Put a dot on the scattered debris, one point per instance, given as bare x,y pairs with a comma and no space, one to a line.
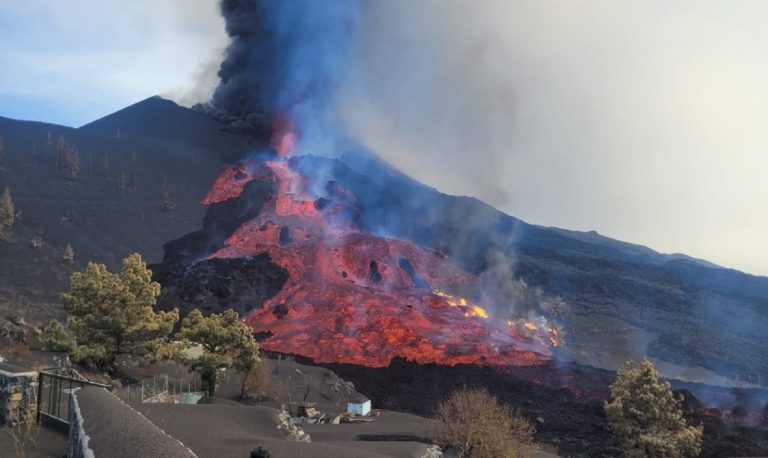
290,429
434,451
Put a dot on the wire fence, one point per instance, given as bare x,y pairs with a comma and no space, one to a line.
164,389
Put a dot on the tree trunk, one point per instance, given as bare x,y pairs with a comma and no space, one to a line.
209,381
243,384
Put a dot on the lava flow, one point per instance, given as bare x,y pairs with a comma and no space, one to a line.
353,297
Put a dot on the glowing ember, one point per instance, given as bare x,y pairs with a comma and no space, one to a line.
354,297
467,307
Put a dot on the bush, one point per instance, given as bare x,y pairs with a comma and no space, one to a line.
476,425
7,212
55,338
259,382
68,255
647,417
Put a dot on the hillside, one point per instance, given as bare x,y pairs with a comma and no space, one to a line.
625,300
112,208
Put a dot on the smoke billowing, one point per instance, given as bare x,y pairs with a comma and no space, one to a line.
285,61
639,120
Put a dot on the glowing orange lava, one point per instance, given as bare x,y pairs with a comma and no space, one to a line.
284,138
354,297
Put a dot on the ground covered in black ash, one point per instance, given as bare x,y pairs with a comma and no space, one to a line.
571,418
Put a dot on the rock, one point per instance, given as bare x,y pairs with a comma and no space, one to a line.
433,451
291,430
260,452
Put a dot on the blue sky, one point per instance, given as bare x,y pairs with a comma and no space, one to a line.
73,61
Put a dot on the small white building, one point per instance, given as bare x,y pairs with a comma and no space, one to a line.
359,406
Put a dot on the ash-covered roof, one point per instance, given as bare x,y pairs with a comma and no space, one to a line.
116,430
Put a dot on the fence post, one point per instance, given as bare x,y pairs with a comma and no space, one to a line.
40,378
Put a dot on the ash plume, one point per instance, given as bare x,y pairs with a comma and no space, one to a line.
284,61
391,77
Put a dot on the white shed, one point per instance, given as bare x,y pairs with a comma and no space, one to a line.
360,406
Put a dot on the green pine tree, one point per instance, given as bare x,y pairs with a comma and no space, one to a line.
227,343
645,415
112,314
55,338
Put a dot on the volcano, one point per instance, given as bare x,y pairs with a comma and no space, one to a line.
609,286
352,296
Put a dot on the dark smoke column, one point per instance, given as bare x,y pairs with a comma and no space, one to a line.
285,60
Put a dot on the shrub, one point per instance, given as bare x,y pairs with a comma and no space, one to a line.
7,212
68,255
55,338
476,425
259,382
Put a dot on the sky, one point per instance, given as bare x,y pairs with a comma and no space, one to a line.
645,121
73,61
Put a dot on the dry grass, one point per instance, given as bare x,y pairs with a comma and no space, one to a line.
24,437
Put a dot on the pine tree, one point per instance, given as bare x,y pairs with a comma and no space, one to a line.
7,212
68,159
61,148
112,314
72,163
2,148
55,338
647,417
165,200
68,255
227,342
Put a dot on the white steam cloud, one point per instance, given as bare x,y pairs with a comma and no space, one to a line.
643,120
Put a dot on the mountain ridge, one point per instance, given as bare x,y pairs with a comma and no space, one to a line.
621,295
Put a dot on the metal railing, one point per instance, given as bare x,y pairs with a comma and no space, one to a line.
54,390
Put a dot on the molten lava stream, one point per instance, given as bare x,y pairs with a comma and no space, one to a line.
348,298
